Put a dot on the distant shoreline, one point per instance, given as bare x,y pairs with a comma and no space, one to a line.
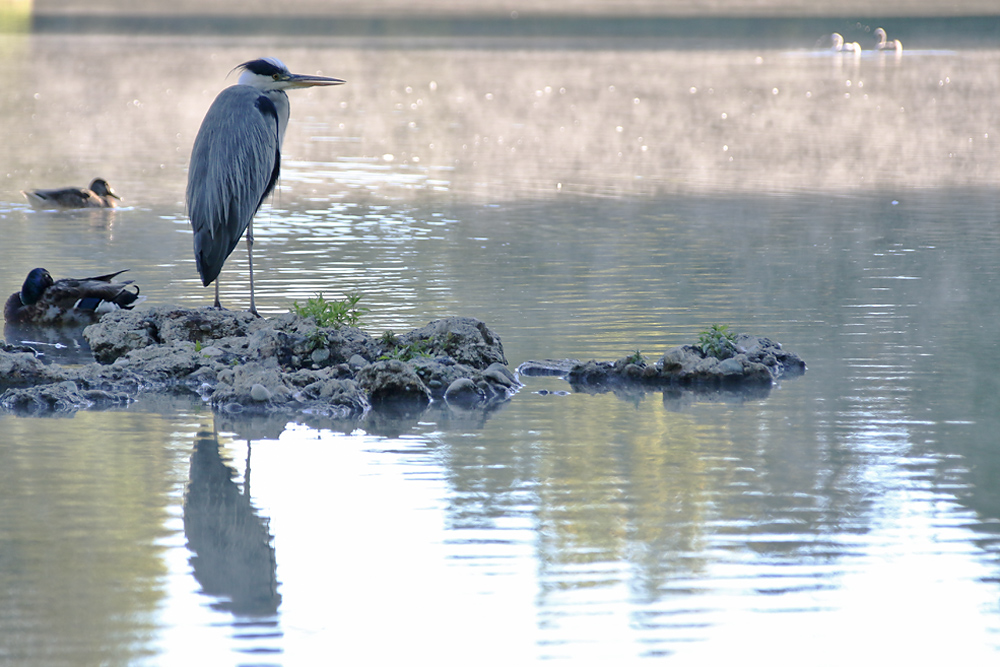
718,32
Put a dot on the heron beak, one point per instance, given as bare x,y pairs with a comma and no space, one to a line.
309,80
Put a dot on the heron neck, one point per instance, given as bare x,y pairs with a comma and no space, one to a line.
280,101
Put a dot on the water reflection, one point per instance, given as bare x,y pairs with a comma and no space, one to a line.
82,512
63,344
233,554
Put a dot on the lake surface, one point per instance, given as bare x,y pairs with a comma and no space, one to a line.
585,201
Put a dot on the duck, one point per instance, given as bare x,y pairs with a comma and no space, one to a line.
43,300
840,46
98,195
884,44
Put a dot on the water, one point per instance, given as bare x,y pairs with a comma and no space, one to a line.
584,202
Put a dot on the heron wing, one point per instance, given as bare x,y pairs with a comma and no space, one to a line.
233,166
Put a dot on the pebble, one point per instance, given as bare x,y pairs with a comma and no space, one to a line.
260,393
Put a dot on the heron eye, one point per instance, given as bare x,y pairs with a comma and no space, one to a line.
276,76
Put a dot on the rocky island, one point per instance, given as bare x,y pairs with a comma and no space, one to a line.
287,364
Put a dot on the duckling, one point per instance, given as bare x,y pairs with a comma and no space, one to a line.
68,300
98,195
884,44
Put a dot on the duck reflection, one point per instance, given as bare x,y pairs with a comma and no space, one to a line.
233,556
63,345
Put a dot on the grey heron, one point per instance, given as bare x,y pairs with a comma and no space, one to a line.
42,300
236,161
98,195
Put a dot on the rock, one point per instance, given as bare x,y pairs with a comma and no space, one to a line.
59,397
591,372
325,346
24,368
201,324
259,392
500,374
765,351
752,362
464,392
122,331
466,340
243,384
9,347
118,334
392,381
167,362
287,349
556,367
731,367
324,392
357,362
438,375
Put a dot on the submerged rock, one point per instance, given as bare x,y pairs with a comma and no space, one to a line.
19,368
64,396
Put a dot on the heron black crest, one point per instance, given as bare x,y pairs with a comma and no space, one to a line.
263,66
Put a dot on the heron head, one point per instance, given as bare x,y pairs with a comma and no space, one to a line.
35,285
271,74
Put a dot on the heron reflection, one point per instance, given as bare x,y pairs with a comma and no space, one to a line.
233,557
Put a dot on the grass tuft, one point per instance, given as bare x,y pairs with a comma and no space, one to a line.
332,313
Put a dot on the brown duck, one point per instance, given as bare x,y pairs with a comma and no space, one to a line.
98,195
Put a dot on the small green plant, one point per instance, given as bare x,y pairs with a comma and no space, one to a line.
389,338
317,338
407,352
332,313
197,346
636,358
717,341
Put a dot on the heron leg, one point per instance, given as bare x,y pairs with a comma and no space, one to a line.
253,306
217,303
